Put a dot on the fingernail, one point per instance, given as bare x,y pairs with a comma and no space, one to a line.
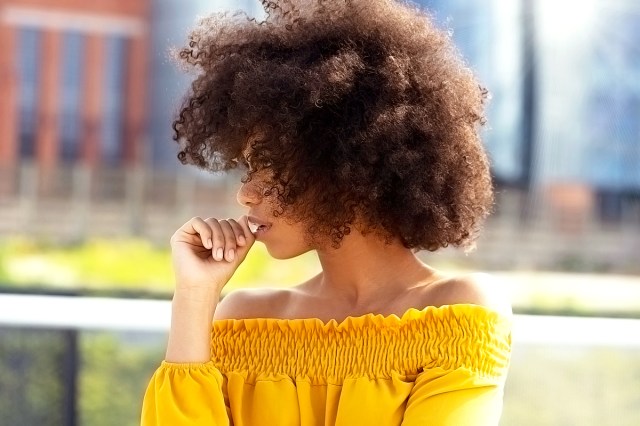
219,254
241,240
231,254
209,243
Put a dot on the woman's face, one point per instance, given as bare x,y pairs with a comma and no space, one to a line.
282,238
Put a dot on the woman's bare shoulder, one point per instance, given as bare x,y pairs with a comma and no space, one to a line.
252,303
266,302
473,288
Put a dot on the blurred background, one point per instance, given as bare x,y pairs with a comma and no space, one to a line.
90,192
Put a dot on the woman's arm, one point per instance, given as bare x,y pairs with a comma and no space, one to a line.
187,389
190,334
467,395
205,255
456,397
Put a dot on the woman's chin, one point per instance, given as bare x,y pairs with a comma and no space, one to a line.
283,253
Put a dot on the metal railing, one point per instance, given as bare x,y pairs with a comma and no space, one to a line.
102,313
61,341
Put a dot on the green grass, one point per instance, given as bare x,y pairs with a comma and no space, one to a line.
138,266
129,264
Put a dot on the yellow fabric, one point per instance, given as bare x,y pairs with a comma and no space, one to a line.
435,366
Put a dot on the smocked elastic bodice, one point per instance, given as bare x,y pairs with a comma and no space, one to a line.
371,345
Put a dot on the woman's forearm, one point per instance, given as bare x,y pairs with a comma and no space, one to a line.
205,255
191,318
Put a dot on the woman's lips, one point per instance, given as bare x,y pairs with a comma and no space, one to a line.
257,226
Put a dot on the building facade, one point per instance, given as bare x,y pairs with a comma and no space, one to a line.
74,81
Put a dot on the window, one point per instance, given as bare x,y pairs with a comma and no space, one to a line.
71,95
114,81
28,62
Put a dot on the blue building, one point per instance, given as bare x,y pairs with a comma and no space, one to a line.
489,34
614,103
587,87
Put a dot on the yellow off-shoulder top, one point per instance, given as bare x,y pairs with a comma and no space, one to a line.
436,366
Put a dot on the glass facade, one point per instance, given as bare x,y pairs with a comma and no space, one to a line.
489,36
614,102
586,63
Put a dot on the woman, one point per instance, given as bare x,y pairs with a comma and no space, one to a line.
358,125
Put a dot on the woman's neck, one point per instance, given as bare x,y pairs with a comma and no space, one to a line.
365,271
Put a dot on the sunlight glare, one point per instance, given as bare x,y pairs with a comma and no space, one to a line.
566,19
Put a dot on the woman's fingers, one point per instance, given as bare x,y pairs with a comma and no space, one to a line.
237,229
228,236
217,251
230,240
195,227
221,236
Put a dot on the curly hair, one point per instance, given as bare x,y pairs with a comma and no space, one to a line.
365,115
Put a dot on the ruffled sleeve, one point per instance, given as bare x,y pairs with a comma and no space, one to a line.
185,394
452,398
468,388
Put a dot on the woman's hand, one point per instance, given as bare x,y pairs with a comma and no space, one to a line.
207,252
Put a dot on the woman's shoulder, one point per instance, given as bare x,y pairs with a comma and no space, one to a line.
252,303
263,302
477,288
466,289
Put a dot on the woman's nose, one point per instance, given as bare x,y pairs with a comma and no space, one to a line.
249,194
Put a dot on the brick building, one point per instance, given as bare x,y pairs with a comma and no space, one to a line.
74,83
